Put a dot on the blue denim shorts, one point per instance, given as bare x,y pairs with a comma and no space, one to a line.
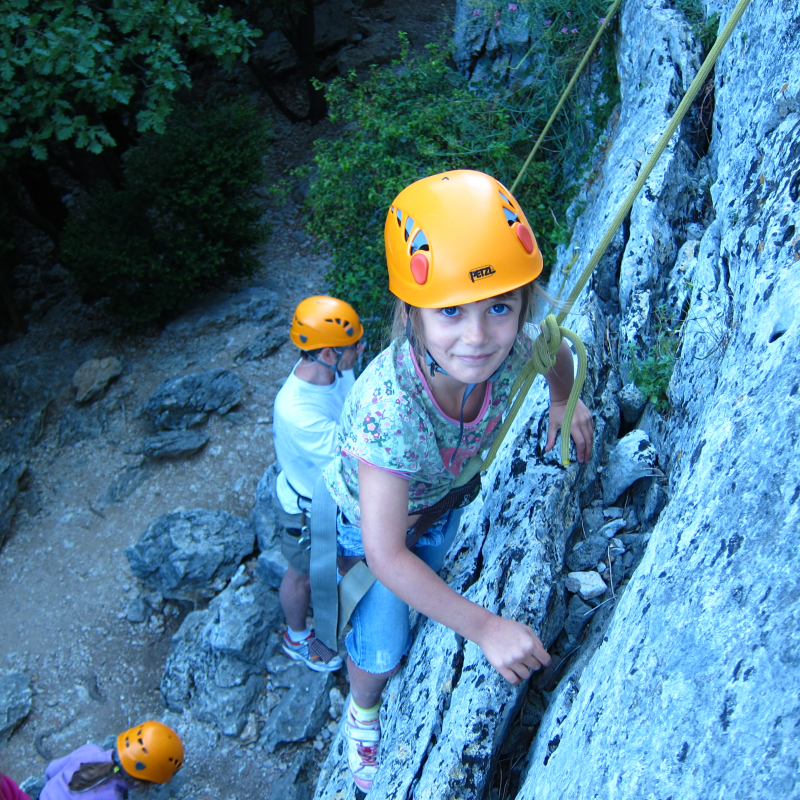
381,632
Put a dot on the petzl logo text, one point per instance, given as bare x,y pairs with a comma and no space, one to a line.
483,272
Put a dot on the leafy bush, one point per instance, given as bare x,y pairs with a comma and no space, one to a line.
651,371
185,218
414,118
64,64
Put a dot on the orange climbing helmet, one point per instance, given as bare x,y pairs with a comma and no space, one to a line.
458,237
151,752
325,322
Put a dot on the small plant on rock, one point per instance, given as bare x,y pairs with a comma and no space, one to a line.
651,371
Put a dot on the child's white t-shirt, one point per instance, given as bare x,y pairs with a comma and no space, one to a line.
304,425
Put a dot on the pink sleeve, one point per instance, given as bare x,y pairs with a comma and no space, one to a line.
9,790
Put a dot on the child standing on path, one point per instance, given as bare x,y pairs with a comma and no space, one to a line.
148,753
462,261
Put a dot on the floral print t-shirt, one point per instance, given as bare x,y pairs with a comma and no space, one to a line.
392,421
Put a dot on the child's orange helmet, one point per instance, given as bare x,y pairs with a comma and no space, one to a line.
151,752
458,237
325,322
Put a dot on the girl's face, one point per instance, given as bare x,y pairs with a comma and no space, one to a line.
471,341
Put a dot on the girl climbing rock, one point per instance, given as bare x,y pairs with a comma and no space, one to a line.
462,262
148,753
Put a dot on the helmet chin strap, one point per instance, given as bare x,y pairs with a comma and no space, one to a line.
433,368
333,367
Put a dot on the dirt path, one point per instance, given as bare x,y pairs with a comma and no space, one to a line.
64,580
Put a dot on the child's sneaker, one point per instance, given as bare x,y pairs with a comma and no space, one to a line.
363,740
312,653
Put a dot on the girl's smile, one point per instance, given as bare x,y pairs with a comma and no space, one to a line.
472,340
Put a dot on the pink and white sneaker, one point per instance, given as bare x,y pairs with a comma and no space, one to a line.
363,740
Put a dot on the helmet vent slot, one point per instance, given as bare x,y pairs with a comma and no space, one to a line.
140,766
399,215
140,741
420,242
506,200
511,217
409,227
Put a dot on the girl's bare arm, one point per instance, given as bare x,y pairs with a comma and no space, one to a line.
512,648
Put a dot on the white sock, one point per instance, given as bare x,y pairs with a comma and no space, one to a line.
364,716
297,636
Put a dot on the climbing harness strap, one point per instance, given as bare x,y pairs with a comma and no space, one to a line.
334,605
322,567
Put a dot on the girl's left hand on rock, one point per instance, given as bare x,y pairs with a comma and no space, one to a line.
581,430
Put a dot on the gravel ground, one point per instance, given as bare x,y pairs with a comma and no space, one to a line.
64,581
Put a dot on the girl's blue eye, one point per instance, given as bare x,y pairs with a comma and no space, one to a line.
500,308
450,311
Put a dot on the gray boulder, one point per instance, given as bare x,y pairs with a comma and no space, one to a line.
587,553
215,667
263,516
271,567
265,345
189,555
631,402
79,424
634,457
256,304
181,403
174,444
12,476
17,439
588,584
93,376
15,702
303,710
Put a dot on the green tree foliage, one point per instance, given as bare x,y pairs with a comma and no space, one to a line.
64,63
186,216
414,118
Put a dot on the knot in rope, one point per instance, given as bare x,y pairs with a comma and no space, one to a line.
546,344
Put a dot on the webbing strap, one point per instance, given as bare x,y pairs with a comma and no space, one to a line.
353,586
322,568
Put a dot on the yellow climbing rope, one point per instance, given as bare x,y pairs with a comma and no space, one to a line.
587,55
552,332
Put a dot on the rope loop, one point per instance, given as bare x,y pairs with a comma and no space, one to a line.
546,344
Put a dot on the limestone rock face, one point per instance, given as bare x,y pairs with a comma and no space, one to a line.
691,687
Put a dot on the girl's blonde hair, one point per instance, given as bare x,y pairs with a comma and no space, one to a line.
408,320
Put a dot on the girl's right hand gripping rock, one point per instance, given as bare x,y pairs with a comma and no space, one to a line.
512,648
